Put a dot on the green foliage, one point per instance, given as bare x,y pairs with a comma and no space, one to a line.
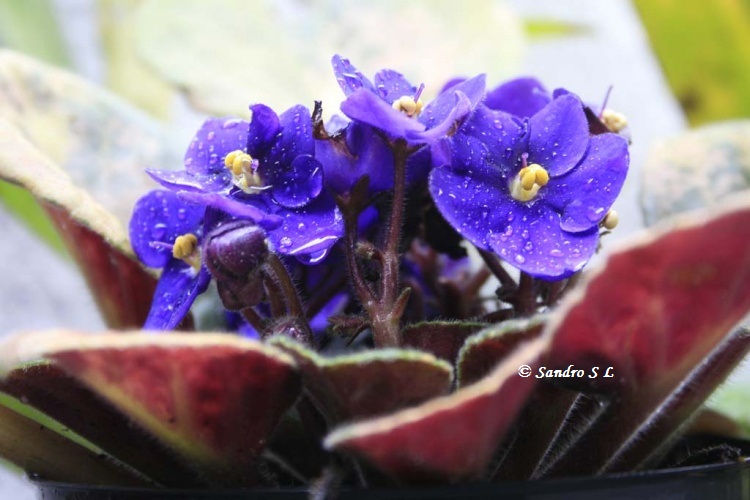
704,49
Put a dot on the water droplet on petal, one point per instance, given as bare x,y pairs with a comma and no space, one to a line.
285,242
520,259
555,252
158,231
210,136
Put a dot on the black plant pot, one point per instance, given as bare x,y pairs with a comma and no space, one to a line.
714,482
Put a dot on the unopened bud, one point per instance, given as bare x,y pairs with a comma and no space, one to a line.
234,254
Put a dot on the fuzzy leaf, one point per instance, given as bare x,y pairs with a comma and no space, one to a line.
482,352
32,442
696,169
92,136
441,338
446,439
200,51
214,398
47,388
656,311
369,383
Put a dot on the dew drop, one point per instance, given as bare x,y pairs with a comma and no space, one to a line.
210,136
181,214
529,246
520,259
555,252
158,231
285,242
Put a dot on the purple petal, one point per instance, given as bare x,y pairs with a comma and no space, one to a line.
558,135
391,85
184,181
176,291
522,97
295,139
295,186
503,134
361,152
456,114
451,83
438,110
530,239
350,79
160,217
213,141
585,194
366,107
264,127
308,233
471,200
235,207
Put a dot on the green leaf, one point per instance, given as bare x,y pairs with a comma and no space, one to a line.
126,73
39,445
552,28
261,51
30,27
703,48
23,205
696,169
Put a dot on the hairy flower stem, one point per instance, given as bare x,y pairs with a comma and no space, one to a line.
493,264
293,303
254,320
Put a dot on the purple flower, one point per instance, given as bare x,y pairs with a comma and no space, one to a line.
166,233
393,105
532,191
522,97
264,171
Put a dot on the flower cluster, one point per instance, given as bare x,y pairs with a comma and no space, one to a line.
293,218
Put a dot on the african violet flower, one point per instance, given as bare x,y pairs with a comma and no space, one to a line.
265,171
532,191
165,232
524,97
393,105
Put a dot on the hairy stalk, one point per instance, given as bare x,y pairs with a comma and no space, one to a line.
254,319
493,264
293,303
526,298
386,320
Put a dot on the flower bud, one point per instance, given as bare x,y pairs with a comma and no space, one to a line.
234,254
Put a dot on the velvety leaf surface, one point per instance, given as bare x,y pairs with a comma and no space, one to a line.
370,383
36,448
198,50
696,169
446,439
46,387
482,352
441,338
214,398
101,142
655,312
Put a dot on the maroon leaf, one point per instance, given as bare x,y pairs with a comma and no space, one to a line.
49,389
654,313
441,338
120,285
482,352
368,383
214,398
449,438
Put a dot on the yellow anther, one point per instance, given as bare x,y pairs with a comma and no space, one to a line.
613,120
238,162
184,246
408,106
528,179
611,220
542,177
527,183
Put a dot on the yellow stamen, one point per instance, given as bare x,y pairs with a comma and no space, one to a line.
527,183
408,105
185,248
613,120
245,176
611,220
